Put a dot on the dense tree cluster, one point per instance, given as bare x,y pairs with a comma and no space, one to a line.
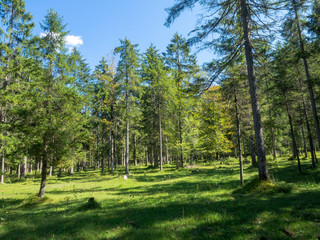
157,108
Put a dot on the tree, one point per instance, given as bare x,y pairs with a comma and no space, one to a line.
183,67
53,113
215,123
15,31
105,103
222,23
294,6
127,75
156,95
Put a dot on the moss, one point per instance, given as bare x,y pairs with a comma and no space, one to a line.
256,186
34,201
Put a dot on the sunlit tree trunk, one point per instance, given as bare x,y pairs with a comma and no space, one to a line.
262,161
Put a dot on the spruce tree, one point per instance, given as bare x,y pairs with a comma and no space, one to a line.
229,19
127,75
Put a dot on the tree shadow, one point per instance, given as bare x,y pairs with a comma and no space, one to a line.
220,219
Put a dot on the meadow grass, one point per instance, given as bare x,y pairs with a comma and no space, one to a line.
199,202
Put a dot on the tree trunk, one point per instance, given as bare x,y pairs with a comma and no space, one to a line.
239,137
160,136
135,150
127,147
25,164
306,116
50,171
71,168
305,150
262,161
252,152
167,151
293,138
43,178
112,150
19,170
23,168
103,159
2,167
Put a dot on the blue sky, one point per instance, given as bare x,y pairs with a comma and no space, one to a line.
97,25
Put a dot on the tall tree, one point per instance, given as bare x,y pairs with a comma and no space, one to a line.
127,74
228,20
157,94
15,31
184,67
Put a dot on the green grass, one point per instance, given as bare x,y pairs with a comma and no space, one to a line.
204,202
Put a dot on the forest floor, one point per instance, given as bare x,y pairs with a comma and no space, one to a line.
199,202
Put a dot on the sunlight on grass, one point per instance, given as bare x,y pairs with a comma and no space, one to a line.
174,204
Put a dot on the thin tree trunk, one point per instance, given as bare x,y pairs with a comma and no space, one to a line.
71,168
2,167
239,138
167,151
160,136
306,116
293,138
103,159
305,150
112,150
127,147
50,171
262,161
135,150
19,170
24,167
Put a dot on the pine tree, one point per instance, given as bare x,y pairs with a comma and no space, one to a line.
127,75
15,31
230,19
156,95
183,66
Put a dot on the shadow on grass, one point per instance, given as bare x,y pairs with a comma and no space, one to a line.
259,216
253,217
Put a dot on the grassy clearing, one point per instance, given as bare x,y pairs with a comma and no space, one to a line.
203,202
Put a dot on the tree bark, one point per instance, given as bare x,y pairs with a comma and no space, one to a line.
293,138
306,116
262,161
19,170
43,178
160,136
135,150
2,166
127,156
71,168
239,137
305,150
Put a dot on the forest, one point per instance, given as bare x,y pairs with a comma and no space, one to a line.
159,127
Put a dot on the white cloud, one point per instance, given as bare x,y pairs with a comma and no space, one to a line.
43,34
71,40
74,41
